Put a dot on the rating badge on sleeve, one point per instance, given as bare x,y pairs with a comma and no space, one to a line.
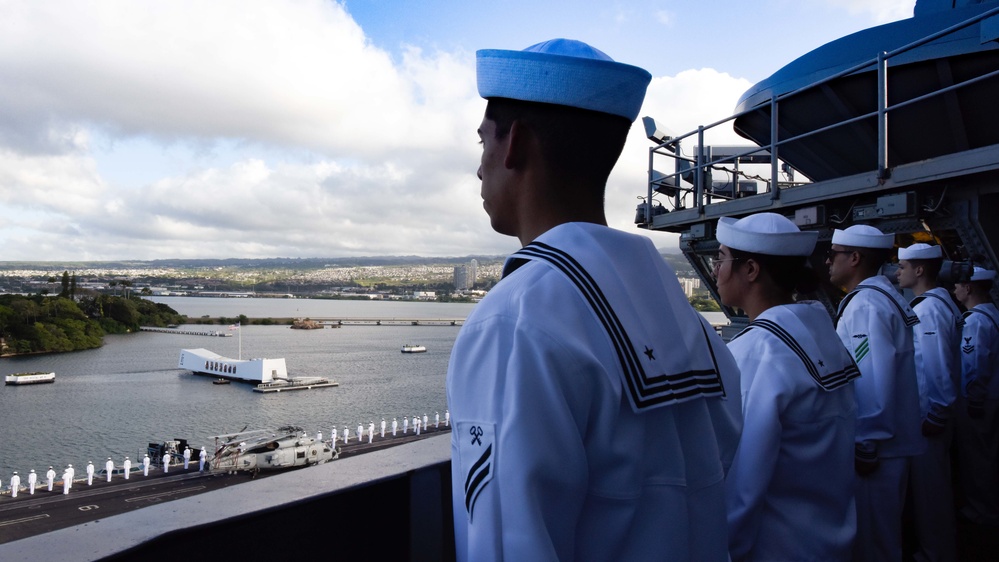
477,454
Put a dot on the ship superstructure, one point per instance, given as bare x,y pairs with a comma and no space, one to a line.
893,126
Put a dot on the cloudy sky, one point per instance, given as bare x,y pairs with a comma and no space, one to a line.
138,129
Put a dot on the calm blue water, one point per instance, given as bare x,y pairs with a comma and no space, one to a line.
112,401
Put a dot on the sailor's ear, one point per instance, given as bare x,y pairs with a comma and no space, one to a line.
753,270
520,141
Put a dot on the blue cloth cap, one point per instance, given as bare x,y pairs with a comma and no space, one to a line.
563,72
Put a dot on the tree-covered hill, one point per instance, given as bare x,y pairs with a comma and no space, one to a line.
38,324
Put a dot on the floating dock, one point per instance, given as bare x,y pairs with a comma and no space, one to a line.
294,384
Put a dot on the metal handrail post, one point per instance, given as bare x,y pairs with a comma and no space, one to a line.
883,116
774,191
648,200
677,198
699,172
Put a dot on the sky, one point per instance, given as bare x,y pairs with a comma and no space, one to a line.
138,129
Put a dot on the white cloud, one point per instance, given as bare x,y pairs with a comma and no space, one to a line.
880,11
665,17
298,73
389,146
681,103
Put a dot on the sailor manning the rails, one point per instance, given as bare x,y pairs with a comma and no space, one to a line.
875,322
936,340
595,412
790,488
977,434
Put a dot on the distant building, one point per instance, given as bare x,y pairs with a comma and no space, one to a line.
461,281
466,275
689,285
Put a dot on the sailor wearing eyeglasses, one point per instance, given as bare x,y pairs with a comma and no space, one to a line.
790,489
875,323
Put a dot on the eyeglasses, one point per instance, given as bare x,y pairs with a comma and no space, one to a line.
831,254
715,262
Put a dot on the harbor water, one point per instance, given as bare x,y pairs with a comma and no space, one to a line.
114,400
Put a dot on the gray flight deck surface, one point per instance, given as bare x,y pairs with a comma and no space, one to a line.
30,515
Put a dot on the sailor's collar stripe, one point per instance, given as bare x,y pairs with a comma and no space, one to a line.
829,381
970,311
908,316
947,302
644,391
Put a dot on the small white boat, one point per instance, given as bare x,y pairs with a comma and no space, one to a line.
410,348
29,378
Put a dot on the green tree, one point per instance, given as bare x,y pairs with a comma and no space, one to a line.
704,304
65,285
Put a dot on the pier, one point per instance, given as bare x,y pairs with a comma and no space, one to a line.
214,333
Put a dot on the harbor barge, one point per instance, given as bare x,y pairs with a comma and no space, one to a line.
17,379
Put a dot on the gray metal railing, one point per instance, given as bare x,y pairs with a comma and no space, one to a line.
701,164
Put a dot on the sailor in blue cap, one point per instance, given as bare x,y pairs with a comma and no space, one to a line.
936,342
977,409
790,489
595,412
875,323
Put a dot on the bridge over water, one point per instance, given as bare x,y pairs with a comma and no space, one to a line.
359,321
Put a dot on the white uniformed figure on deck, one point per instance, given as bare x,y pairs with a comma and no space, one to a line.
875,324
437,420
166,462
32,480
371,432
50,478
383,428
447,418
395,426
126,467
426,422
109,467
334,437
790,488
72,474
90,473
319,436
202,455
346,435
416,424
589,409
938,365
15,484
187,457
67,480
405,425
360,432
145,465
977,433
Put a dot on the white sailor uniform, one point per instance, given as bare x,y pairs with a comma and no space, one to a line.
938,366
560,450
978,438
875,324
790,489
